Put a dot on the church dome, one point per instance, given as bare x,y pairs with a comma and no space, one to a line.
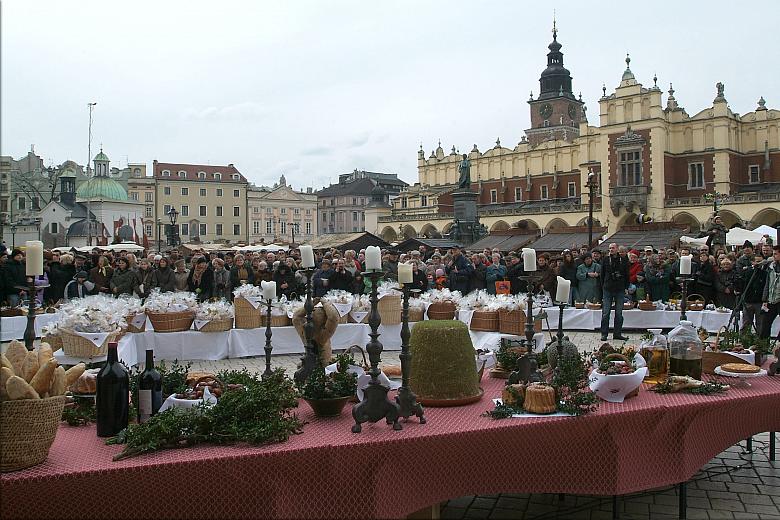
100,187
101,156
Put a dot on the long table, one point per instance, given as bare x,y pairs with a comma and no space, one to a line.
646,442
13,327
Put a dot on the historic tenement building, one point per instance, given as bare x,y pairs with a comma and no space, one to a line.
649,155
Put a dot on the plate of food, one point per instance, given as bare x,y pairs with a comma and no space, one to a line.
741,370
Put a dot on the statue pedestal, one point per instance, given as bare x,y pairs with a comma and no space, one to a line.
465,205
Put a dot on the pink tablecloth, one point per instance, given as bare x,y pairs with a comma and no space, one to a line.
648,441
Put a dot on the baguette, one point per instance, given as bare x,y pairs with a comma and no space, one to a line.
58,385
73,373
29,366
5,374
5,362
44,353
42,379
16,353
18,388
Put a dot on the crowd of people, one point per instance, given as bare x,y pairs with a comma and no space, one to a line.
610,277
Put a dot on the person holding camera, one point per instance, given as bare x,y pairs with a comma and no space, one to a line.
614,277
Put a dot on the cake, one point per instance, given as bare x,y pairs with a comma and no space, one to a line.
539,398
740,368
86,383
511,393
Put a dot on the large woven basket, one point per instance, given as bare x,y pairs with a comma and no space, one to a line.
132,328
389,308
277,320
646,306
695,302
442,311
75,345
171,321
27,430
485,321
54,341
247,317
416,314
513,322
217,325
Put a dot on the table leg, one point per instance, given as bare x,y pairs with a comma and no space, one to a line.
772,453
749,446
615,508
683,510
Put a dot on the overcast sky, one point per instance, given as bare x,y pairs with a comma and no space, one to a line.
312,89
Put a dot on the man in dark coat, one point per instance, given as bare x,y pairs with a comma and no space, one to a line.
14,276
459,271
614,279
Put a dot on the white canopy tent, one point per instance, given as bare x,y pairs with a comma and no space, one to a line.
127,246
734,237
767,230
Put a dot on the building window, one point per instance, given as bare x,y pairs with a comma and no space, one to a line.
185,229
236,229
137,172
493,196
235,177
297,211
362,216
185,211
133,195
148,197
148,230
424,200
354,201
218,230
308,212
630,167
54,228
201,175
256,227
324,217
354,216
255,209
268,211
404,202
332,217
202,211
545,192
148,211
166,209
21,203
182,174
217,176
308,228
167,190
202,230
166,173
572,190
236,193
219,192
283,211
268,227
332,201
282,227
753,174
185,192
696,176
236,211
518,194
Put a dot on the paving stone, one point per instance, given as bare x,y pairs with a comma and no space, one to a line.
771,481
700,503
463,502
644,499
721,495
693,492
539,509
758,508
768,471
720,478
769,517
748,480
720,515
525,496
506,502
483,503
669,500
727,505
454,513
749,498
543,499
505,513
697,514
659,509
636,507
477,513
603,515
741,488
708,485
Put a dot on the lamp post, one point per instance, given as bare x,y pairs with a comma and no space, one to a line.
38,225
294,226
174,236
13,235
591,185
90,106
159,236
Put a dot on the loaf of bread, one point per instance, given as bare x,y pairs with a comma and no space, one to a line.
29,366
86,383
5,374
73,373
5,362
16,353
58,385
44,353
41,382
18,388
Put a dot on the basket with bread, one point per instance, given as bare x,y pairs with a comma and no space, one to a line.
32,396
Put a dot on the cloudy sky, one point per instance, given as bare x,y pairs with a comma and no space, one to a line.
316,88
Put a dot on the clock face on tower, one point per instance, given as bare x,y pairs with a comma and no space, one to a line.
546,110
572,111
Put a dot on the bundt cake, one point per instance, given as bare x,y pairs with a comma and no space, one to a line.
511,393
539,398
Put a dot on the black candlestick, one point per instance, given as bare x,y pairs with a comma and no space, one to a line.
375,404
29,331
684,300
559,335
268,347
407,401
527,366
310,359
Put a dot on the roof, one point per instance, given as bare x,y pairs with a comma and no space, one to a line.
191,172
634,238
101,156
431,243
503,242
101,188
361,187
79,228
344,241
556,241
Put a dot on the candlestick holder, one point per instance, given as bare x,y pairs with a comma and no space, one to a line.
559,334
684,280
375,404
268,346
406,399
527,365
310,359
29,331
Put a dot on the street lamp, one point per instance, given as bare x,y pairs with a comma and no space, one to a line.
293,228
591,185
13,236
173,214
717,200
159,237
38,225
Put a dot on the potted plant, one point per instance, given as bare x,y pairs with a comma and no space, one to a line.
328,393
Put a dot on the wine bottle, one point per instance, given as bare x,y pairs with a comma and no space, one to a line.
112,395
149,389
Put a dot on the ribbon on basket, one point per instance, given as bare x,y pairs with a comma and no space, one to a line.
199,324
138,320
254,301
358,316
96,338
343,308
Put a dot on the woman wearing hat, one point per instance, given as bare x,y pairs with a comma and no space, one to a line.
201,280
163,278
124,280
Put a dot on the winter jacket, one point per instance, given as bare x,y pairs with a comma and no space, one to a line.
14,275
479,277
236,277
285,275
657,281
74,290
340,281
205,287
123,282
59,276
494,273
101,277
459,274
321,287
513,274
164,279
145,282
754,292
588,288
726,280
180,279
614,274
222,287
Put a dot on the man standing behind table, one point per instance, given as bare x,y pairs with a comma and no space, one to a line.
459,271
322,277
771,297
614,279
390,266
341,279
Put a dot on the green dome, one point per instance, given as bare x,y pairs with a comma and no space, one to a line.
101,188
101,157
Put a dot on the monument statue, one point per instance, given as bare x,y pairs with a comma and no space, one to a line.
464,169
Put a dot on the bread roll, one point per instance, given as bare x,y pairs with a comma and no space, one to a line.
18,388
74,373
42,379
16,353
29,366
58,385
5,362
44,353
5,374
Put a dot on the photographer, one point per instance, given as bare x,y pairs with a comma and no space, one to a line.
614,276
341,279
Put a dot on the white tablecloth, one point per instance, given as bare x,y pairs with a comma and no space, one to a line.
13,327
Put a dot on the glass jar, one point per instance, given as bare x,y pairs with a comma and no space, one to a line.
656,356
685,348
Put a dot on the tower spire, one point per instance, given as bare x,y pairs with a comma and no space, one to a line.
555,29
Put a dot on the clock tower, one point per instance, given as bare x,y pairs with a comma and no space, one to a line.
556,113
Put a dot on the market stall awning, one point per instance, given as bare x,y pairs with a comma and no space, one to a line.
504,241
431,243
736,236
566,238
638,237
345,241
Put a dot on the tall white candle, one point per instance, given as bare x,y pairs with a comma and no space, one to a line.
307,257
685,264
564,288
373,258
405,273
269,290
529,259
34,257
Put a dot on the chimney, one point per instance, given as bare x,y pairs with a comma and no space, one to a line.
309,189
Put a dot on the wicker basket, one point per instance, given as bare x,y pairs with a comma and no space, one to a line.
593,306
416,314
513,322
695,302
27,430
442,311
217,325
247,317
132,328
579,305
485,321
646,306
11,312
389,308
54,341
277,320
171,321
78,346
